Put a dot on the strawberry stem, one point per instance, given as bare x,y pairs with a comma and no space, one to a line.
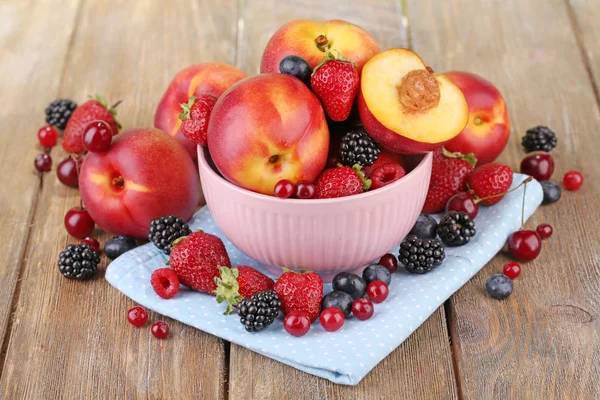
228,288
186,108
366,181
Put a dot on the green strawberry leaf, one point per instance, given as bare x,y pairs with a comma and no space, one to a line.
228,288
186,108
470,158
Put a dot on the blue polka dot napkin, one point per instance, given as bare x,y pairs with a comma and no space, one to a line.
347,355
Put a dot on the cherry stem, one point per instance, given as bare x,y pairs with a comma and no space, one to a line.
116,104
76,157
526,181
477,200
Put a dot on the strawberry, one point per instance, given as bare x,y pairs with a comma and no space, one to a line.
95,109
335,82
490,182
340,182
236,284
300,291
194,116
385,157
449,174
196,259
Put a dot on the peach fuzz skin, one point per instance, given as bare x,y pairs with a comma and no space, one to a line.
205,78
267,128
488,129
298,38
158,178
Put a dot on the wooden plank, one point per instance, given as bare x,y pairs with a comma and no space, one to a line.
426,354
72,339
29,80
543,341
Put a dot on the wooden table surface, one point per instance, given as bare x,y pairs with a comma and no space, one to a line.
65,339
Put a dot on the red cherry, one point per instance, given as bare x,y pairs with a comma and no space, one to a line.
137,316
296,323
305,190
539,165
524,245
79,223
160,329
544,230
332,319
362,309
389,261
97,136
378,291
463,202
67,172
512,270
573,180
284,189
93,243
47,136
43,162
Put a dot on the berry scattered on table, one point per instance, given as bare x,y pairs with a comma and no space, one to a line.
357,147
297,323
376,272
78,261
362,309
47,136
420,256
118,245
524,245
573,180
349,283
544,230
195,116
93,243
97,136
236,284
59,111
332,319
540,138
539,165
389,262
137,316
425,227
67,171
165,283
490,182
341,182
78,222
552,192
296,66
463,202
160,330
340,300
259,311
512,270
165,230
386,174
43,162
284,189
305,190
378,291
300,291
456,228
499,286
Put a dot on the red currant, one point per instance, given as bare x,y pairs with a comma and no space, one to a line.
389,261
463,202
43,162
296,323
512,270
378,291
362,309
332,319
97,136
284,189
93,243
79,223
137,316
67,171
305,190
573,180
47,136
160,329
524,245
539,165
544,230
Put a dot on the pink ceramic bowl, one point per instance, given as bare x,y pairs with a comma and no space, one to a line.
327,236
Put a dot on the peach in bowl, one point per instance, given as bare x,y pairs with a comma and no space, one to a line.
324,235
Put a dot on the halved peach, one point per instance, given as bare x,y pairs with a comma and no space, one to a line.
406,107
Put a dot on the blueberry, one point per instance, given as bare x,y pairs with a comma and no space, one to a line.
552,192
117,245
499,286
296,66
376,272
425,227
340,300
349,283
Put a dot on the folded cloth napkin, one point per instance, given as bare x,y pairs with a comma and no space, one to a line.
347,355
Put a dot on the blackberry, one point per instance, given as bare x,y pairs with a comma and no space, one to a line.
358,148
540,138
456,228
59,111
420,256
78,261
164,231
259,311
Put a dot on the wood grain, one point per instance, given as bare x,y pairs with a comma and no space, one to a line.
543,341
72,339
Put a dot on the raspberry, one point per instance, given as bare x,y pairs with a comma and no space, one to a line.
165,283
386,174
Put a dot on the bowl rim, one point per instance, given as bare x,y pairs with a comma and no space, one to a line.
203,164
